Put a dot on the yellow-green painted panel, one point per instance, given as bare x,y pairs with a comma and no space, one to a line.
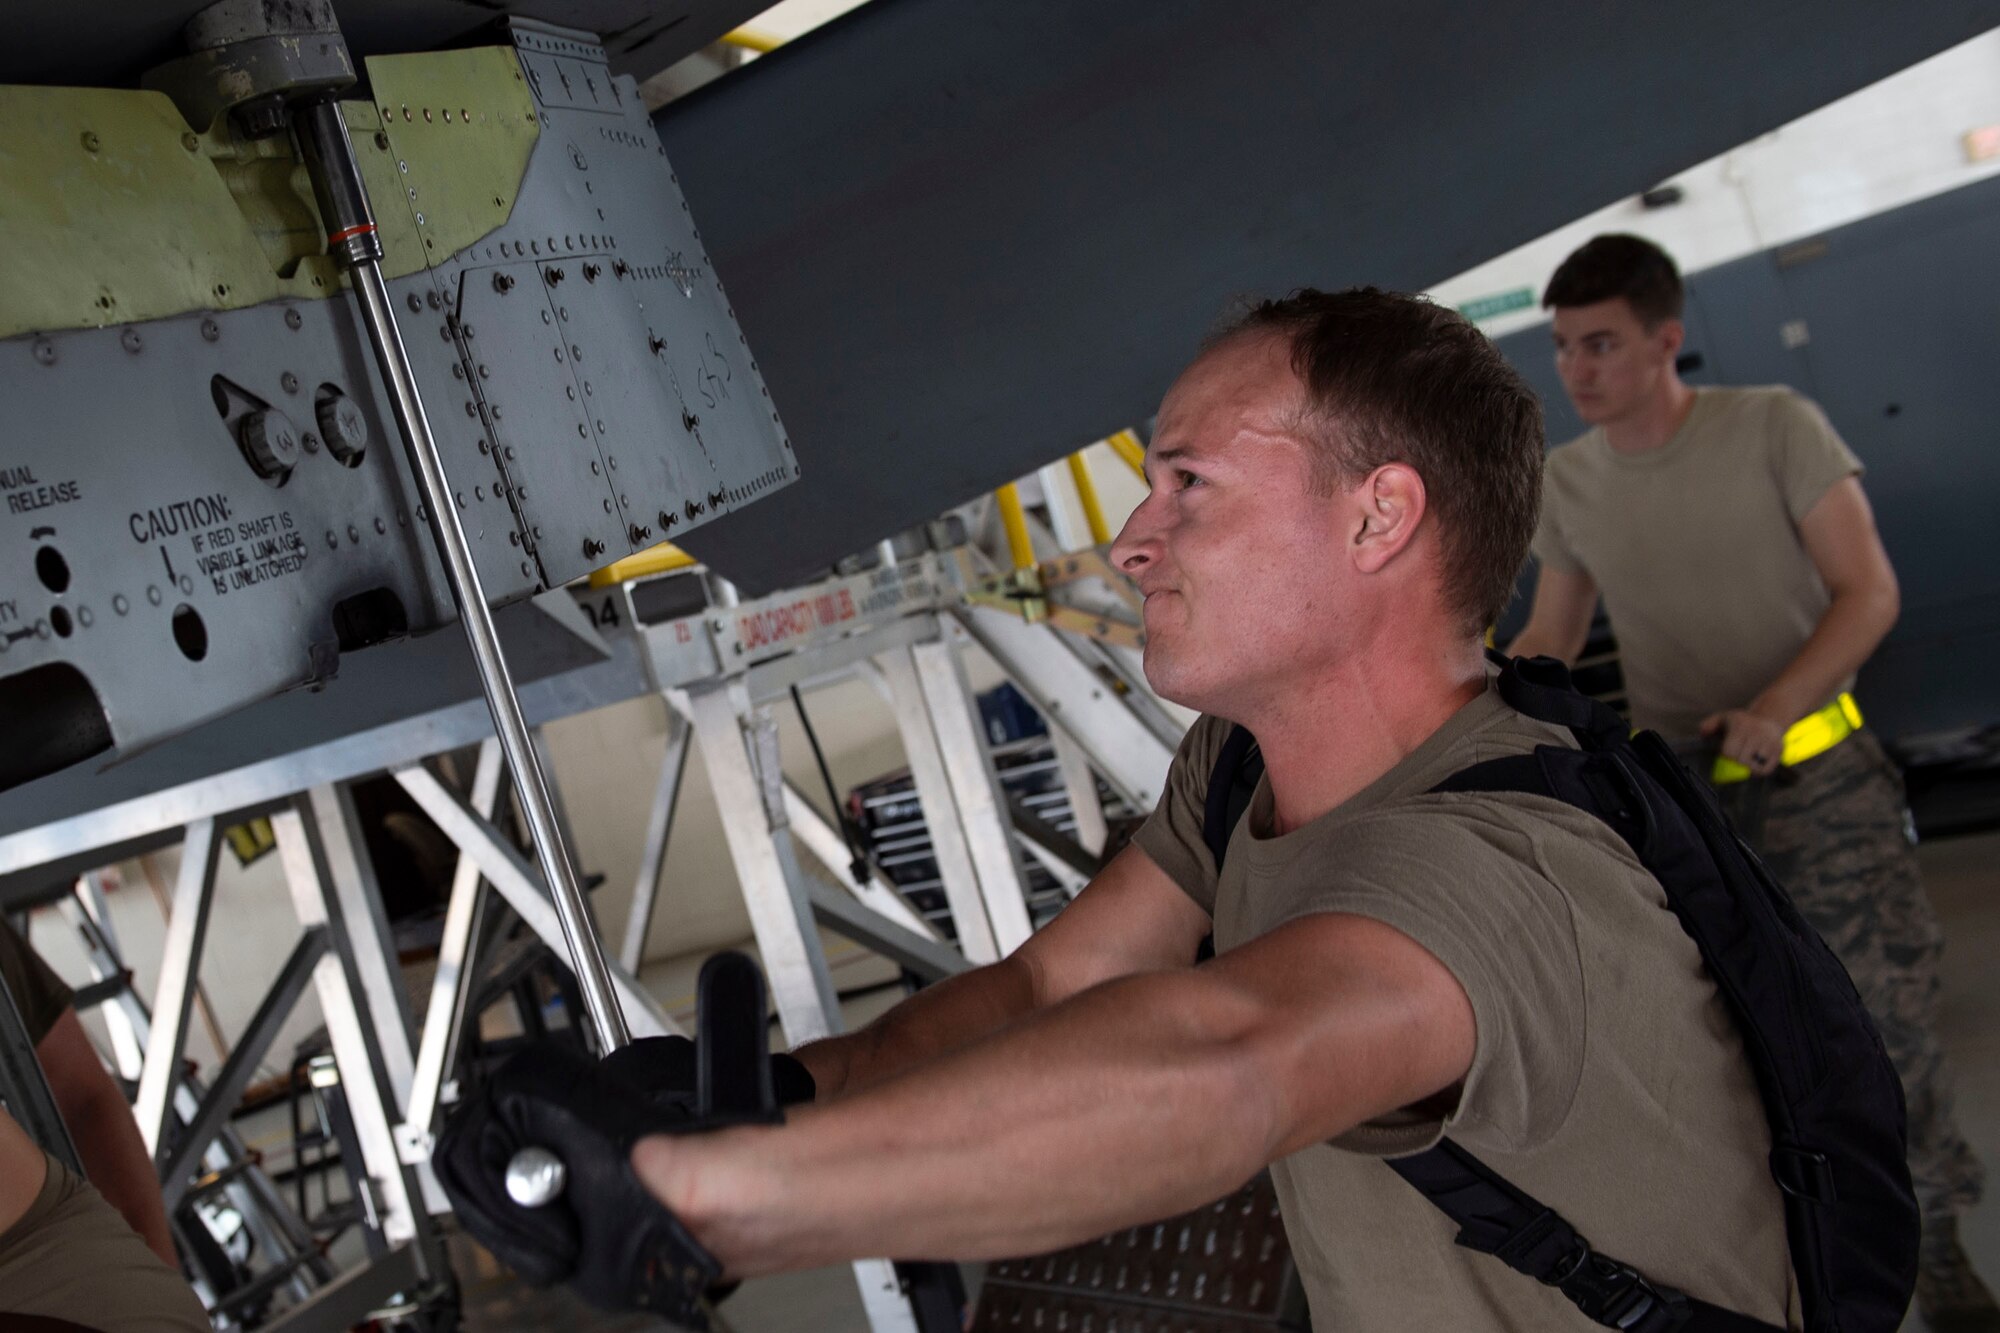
115,212
112,213
463,123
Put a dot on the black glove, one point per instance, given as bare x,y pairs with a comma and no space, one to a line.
607,1236
665,1069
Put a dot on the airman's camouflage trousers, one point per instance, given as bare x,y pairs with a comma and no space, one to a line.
1835,831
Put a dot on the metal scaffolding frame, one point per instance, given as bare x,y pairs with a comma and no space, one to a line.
900,626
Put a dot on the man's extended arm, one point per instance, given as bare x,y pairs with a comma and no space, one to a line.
1839,535
1059,1126
1130,918
1559,621
107,1138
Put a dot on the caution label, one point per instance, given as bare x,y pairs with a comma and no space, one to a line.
240,555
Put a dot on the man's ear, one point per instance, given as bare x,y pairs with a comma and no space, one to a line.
1673,335
1389,504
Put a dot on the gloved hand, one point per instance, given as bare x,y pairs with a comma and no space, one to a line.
617,1245
666,1070
606,1234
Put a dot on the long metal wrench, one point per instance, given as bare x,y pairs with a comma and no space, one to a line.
350,224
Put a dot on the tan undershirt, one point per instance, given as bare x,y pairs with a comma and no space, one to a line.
1607,1079
1696,549
70,1256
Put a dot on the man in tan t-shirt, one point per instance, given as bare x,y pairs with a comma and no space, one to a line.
1341,488
1728,534
65,1253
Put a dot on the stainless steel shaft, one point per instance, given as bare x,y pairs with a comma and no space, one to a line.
329,154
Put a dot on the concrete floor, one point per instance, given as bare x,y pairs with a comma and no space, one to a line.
1963,875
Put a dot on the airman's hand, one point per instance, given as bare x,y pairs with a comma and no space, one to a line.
1751,739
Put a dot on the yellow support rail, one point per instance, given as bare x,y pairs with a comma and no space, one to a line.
654,560
1126,445
1015,520
750,39
1086,494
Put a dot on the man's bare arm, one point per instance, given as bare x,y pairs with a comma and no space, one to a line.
1840,537
1130,918
23,1169
1135,1099
106,1135
1559,621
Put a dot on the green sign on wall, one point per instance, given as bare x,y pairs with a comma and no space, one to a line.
1500,303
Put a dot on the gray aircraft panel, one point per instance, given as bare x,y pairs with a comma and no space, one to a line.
181,529
118,40
965,237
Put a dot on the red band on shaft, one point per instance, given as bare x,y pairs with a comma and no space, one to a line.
346,232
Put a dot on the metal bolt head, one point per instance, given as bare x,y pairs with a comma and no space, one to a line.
288,382
503,283
293,320
271,442
210,330
345,428
416,303
91,143
45,351
130,340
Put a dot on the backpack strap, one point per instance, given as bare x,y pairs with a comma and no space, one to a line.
1495,1218
1540,688
1238,765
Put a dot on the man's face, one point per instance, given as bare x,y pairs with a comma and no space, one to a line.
1237,557
1611,364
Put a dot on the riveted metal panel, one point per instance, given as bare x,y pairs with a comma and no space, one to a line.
550,345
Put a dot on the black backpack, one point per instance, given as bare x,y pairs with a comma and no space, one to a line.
1834,1102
